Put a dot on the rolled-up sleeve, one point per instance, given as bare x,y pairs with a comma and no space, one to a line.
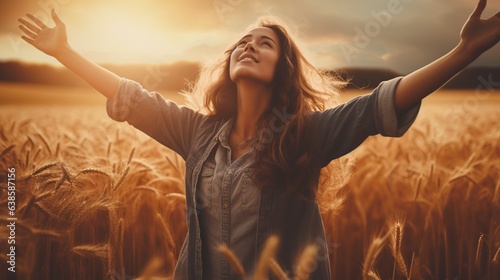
172,125
338,131
388,122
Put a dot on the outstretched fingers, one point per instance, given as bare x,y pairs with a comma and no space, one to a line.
479,9
31,30
28,39
28,25
37,21
27,32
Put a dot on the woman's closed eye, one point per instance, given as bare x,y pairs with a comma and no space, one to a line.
267,44
241,43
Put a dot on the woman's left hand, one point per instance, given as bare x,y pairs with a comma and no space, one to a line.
478,35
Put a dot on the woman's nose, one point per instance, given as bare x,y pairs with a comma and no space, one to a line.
249,45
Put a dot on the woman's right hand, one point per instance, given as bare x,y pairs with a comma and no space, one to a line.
49,40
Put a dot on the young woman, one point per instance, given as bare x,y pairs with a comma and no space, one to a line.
253,161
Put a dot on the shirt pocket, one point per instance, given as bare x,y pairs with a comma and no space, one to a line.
205,190
250,191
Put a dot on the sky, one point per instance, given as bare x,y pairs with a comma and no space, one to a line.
401,35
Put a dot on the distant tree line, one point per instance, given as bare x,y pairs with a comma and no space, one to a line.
175,76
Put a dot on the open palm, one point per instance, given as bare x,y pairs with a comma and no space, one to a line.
479,35
47,40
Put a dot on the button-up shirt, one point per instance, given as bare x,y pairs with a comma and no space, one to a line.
228,203
296,221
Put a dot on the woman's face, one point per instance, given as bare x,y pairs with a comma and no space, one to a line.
255,56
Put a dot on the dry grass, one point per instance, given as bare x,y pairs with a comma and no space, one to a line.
97,200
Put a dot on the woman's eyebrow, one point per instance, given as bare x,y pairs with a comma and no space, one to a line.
262,37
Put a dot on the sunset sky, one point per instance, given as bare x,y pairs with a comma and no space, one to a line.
398,34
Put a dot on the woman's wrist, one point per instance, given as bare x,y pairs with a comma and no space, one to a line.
64,52
465,52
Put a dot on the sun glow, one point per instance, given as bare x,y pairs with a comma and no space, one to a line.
124,35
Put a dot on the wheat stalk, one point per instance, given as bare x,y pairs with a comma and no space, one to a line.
46,211
26,160
479,250
108,150
277,270
6,150
45,142
496,256
270,248
170,239
131,155
306,262
233,260
152,269
372,254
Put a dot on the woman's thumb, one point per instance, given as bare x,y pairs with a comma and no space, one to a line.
55,17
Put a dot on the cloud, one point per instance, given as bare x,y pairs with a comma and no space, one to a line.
416,33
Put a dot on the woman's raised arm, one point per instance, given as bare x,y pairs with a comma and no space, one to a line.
53,41
477,36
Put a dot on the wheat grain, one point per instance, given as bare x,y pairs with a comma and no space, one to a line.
92,250
93,171
122,177
396,239
44,167
372,275
66,173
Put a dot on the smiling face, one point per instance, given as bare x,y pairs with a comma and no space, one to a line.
255,56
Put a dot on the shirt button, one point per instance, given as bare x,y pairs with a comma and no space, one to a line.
224,205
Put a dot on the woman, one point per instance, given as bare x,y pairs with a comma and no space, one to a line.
253,162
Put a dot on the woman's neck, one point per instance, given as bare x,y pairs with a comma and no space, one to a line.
253,100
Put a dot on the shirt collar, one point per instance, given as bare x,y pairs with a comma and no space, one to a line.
224,131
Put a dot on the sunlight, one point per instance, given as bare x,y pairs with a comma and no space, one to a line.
125,35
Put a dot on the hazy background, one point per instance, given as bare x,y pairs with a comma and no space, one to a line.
411,34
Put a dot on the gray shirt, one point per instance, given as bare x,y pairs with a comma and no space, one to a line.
228,201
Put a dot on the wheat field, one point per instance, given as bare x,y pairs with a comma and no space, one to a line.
96,199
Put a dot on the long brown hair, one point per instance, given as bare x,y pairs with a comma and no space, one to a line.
298,89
